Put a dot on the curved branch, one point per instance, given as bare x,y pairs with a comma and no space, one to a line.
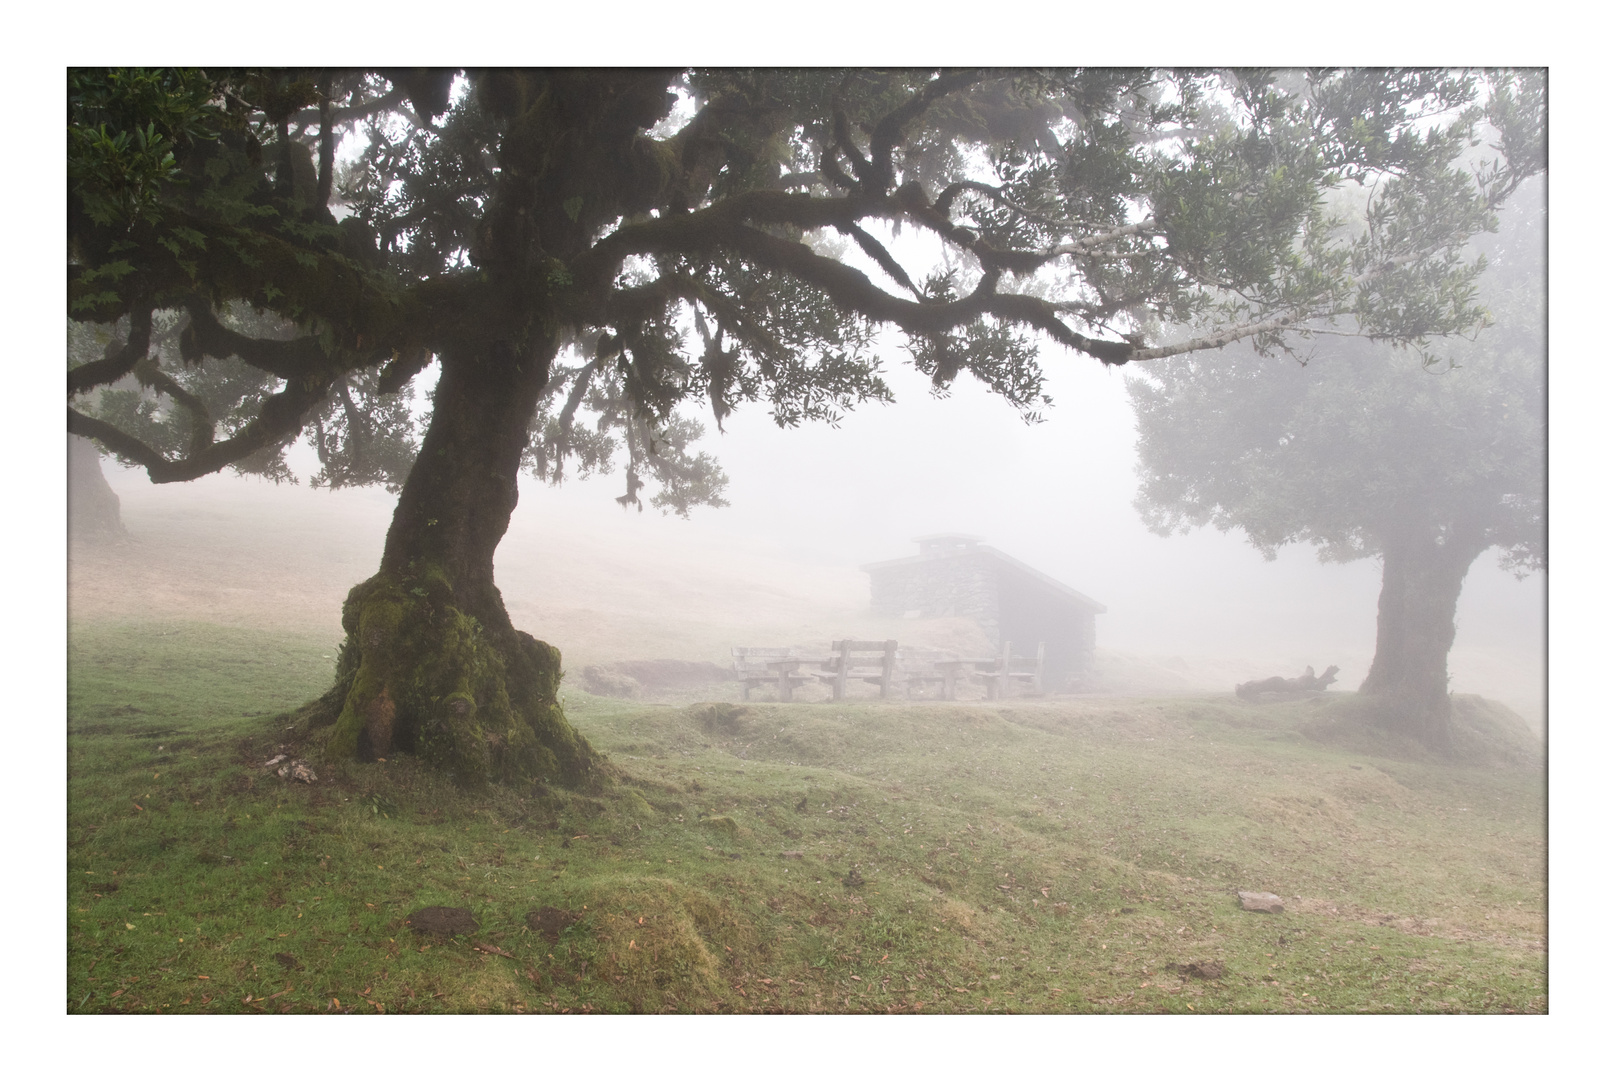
886,135
402,368
863,168
1220,337
280,418
832,173
880,255
202,425
115,365
854,291
292,359
703,230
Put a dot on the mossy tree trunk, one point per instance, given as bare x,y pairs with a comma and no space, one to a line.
1417,624
431,663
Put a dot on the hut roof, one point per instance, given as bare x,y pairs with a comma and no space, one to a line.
941,547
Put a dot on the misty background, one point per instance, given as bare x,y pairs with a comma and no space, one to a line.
809,506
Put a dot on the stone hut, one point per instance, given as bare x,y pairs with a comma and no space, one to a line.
957,575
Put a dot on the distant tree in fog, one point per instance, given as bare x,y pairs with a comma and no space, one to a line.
1364,451
92,504
583,252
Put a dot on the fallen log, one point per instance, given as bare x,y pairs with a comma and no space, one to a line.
1308,683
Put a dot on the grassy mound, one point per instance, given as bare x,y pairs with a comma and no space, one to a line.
1077,855
1485,733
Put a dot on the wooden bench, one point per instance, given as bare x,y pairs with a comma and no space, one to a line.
1010,670
869,661
776,667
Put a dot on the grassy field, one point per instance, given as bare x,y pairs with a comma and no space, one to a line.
1067,855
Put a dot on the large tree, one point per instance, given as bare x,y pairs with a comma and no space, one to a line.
1362,450
268,252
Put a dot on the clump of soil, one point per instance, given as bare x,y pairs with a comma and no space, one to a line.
442,921
549,922
721,718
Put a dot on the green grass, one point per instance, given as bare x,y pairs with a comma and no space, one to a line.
1038,856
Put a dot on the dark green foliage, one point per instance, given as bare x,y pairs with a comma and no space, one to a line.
587,252
218,189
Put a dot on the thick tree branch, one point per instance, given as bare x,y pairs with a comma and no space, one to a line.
857,161
834,175
205,335
202,425
280,418
402,368
886,135
700,230
880,255
117,364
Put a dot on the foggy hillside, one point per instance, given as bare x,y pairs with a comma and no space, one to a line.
780,566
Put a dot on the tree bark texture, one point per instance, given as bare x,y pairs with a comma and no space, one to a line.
92,503
431,663
1417,624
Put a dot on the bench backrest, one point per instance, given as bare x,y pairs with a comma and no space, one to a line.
864,653
751,660
1036,663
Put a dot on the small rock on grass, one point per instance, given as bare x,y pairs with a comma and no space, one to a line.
297,770
1261,901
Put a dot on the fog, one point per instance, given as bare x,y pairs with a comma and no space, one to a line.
809,506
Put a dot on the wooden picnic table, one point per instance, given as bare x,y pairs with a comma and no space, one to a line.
755,666
951,670
787,674
999,673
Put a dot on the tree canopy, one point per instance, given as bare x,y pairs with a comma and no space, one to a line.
266,252
714,236
1360,450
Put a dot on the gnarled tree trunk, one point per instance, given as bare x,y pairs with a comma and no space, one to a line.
431,663
1417,623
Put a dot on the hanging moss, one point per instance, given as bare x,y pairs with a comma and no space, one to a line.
423,675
